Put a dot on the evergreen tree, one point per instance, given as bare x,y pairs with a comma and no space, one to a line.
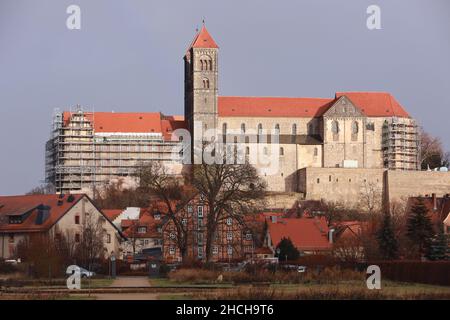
419,227
439,246
387,242
287,250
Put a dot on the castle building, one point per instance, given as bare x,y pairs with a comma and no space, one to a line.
316,143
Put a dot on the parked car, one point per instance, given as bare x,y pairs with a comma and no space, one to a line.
84,273
301,269
13,261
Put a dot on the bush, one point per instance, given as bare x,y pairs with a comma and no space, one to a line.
164,270
429,272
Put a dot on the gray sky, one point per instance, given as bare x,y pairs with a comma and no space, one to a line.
128,57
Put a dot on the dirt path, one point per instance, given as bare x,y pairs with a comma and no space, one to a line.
126,296
130,282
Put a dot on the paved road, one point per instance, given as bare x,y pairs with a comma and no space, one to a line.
131,282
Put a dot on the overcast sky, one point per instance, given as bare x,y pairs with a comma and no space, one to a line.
128,57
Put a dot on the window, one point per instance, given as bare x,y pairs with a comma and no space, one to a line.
77,238
265,151
200,238
184,221
157,216
242,128
355,130
277,129
229,235
146,242
316,152
248,236
281,151
205,83
260,128
172,250
229,221
200,222
294,129
108,238
215,250
230,250
200,211
189,209
58,236
77,219
172,235
159,229
318,180
200,252
142,229
224,129
335,130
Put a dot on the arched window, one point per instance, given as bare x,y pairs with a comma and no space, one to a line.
294,132
205,83
242,128
224,128
281,151
335,130
260,129
247,150
355,130
277,129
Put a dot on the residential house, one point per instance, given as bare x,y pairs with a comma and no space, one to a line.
53,215
308,234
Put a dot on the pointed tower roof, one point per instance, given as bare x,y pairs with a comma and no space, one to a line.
203,40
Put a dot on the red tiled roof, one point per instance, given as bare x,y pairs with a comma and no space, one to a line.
375,104
112,214
372,104
203,40
19,205
272,107
132,122
146,219
309,234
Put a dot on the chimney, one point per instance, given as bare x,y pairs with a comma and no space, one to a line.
434,201
330,236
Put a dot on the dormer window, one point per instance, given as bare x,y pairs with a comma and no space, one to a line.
157,216
142,229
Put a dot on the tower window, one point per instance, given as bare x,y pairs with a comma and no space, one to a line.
205,83
242,128
224,128
281,151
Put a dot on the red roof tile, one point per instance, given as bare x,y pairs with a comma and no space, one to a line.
203,40
132,122
19,205
112,214
272,107
375,104
309,234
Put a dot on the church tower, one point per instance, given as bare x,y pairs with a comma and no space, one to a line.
201,87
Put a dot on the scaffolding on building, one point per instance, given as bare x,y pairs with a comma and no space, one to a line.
401,144
78,159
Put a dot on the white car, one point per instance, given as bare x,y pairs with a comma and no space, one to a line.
83,272
301,269
12,261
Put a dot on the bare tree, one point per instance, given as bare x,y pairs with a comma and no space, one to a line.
43,189
230,191
432,152
370,197
90,248
167,188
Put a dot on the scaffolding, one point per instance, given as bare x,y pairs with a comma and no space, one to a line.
80,160
401,144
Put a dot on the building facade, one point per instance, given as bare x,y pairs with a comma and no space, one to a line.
351,130
54,216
